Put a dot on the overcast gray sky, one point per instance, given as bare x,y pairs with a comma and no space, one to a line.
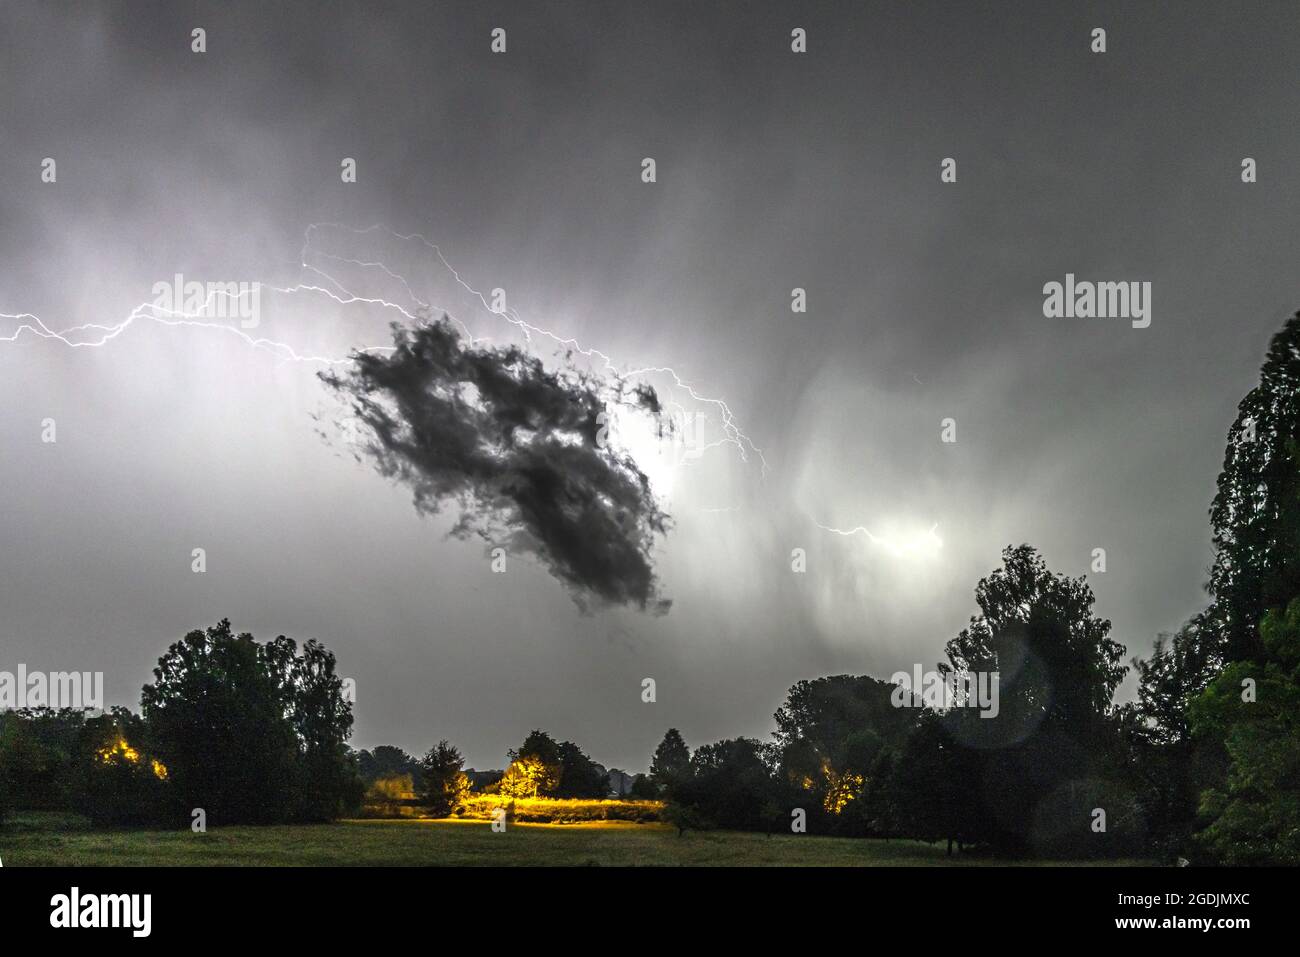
775,170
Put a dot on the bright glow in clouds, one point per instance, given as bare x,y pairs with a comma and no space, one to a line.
654,445
912,544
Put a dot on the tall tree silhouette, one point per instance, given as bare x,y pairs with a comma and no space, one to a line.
1256,513
1042,756
671,762
1036,629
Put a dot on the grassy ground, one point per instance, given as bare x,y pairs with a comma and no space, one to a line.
60,840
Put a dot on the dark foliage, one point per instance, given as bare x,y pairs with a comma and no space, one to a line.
250,732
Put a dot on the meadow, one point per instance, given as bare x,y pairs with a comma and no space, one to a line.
57,840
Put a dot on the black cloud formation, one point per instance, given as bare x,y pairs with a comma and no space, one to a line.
518,450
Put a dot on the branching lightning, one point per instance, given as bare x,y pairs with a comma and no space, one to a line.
97,335
30,323
732,435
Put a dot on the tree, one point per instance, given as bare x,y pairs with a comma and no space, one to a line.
252,733
1255,581
732,785
329,785
1256,513
930,787
443,781
580,777
1170,765
384,762
671,763
832,731
685,818
1037,631
1055,733
1254,709
643,789
534,769
24,763
39,748
1181,666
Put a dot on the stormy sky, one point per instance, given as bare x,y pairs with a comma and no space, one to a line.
774,170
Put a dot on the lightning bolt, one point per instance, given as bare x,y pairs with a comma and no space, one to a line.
71,337
97,335
918,545
732,435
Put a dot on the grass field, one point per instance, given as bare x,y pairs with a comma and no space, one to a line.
60,840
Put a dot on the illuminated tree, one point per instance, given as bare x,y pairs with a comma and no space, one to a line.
535,768
528,777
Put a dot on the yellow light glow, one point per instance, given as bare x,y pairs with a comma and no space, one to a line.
527,777
841,788
120,748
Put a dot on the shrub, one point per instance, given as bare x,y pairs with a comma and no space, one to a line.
117,782
443,782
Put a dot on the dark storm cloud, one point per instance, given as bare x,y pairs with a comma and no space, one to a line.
520,452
